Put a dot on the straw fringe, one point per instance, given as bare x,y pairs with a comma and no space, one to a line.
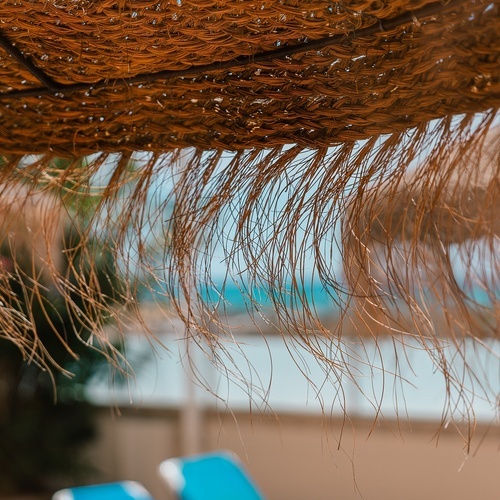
396,209
378,222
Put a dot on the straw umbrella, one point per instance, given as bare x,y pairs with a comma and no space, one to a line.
314,100
399,235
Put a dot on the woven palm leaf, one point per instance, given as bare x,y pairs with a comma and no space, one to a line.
288,132
230,74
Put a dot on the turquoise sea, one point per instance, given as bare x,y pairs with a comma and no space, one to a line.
234,299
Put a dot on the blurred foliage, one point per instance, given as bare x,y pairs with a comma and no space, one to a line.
44,418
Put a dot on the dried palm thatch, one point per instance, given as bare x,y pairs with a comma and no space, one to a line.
287,131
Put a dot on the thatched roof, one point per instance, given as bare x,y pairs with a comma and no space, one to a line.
82,76
323,106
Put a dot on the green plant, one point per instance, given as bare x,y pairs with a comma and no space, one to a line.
44,418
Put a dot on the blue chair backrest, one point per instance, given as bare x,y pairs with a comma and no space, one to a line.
211,476
125,490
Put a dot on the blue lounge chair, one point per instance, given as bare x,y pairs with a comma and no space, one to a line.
211,476
125,490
